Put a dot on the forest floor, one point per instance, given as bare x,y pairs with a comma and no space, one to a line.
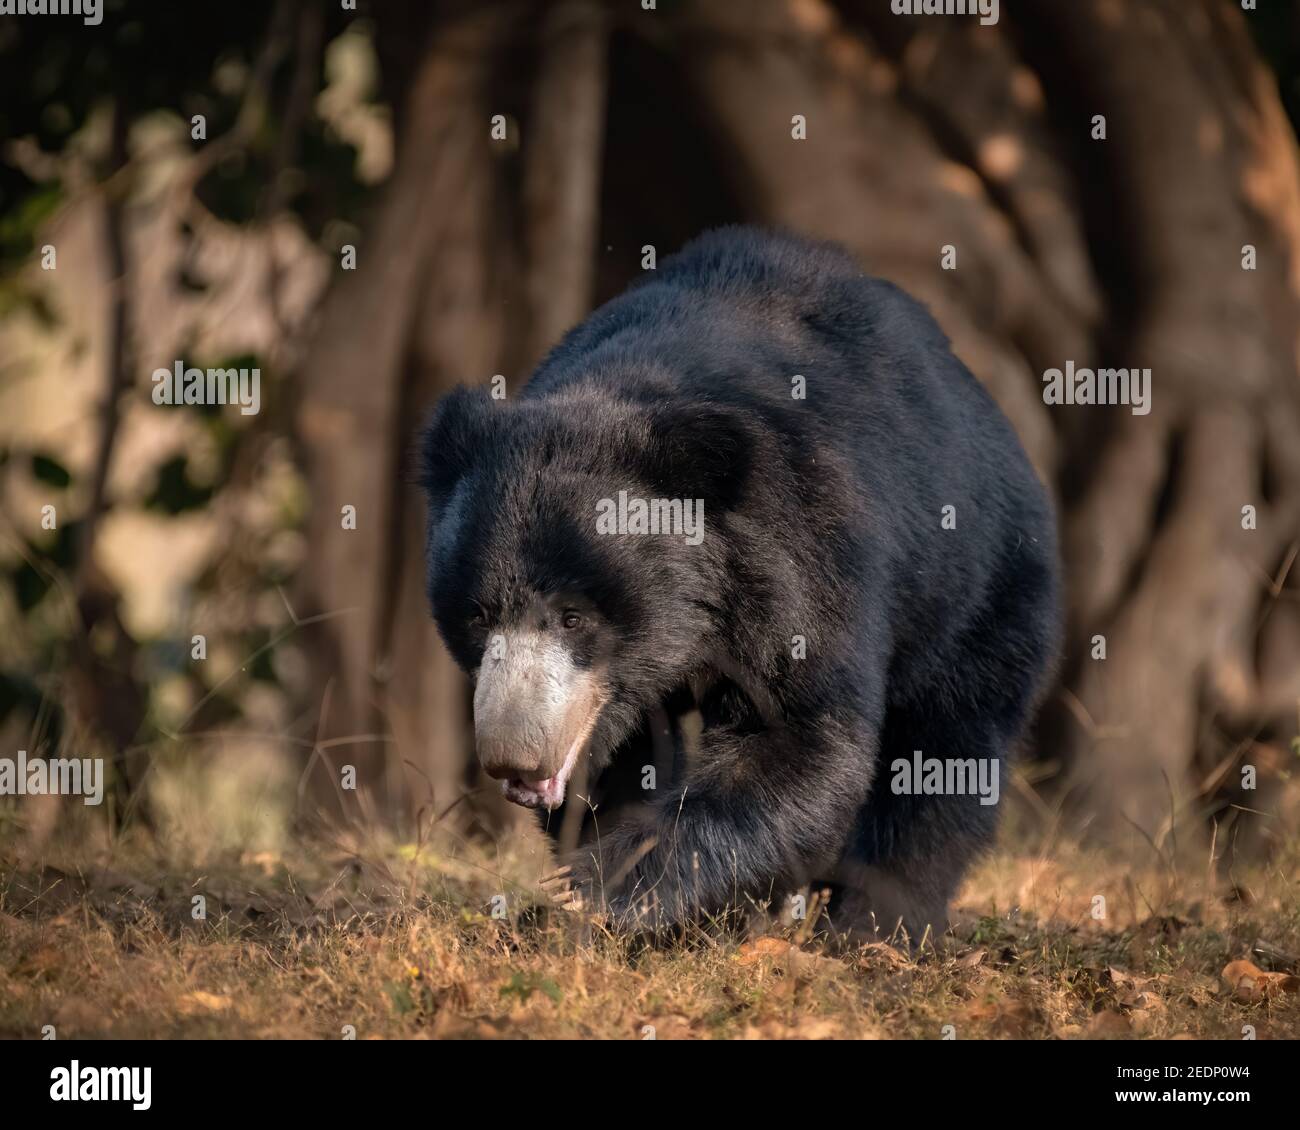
333,941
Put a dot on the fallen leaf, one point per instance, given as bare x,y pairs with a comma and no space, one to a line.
751,953
1142,1001
1250,984
788,957
880,954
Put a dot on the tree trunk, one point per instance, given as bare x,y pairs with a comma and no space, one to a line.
421,312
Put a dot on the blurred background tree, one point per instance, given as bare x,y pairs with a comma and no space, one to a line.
1173,242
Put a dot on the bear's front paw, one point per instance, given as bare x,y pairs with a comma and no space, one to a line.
567,889
572,888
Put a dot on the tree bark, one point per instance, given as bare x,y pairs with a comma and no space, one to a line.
422,283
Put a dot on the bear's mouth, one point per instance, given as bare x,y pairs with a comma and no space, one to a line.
548,793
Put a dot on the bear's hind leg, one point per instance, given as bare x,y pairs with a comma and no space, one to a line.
911,848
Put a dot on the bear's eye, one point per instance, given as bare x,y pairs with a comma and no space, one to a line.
571,620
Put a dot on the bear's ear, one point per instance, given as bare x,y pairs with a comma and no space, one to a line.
459,429
704,451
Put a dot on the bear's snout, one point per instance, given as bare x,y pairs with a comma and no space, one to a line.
533,712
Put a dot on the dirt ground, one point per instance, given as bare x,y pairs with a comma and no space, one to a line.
398,941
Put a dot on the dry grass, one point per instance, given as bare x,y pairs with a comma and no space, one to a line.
403,943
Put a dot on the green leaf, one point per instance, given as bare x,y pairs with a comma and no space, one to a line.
523,985
400,996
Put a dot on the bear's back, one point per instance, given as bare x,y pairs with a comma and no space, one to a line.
740,302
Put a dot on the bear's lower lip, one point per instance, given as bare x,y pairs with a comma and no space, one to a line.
547,793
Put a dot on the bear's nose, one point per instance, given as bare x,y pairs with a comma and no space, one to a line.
507,761
510,743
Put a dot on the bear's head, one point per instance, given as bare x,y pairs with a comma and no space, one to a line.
575,565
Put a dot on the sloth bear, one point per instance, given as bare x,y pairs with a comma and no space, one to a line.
749,546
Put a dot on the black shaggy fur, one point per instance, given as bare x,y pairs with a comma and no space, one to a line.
823,521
